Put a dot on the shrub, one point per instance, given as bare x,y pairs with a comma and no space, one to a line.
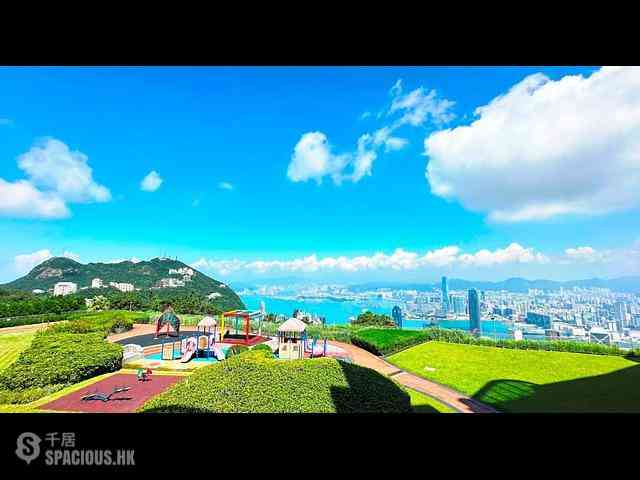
32,319
263,348
106,322
61,358
254,383
236,350
98,303
387,341
373,319
28,395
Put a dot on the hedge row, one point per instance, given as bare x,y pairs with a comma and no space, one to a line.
61,358
387,341
32,319
28,395
254,383
105,322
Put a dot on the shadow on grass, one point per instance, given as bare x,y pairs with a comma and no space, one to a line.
613,392
369,392
424,409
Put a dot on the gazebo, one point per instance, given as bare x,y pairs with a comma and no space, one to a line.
291,337
207,324
246,338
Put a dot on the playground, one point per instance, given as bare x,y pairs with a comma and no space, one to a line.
164,345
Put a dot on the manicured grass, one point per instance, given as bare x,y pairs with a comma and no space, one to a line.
529,380
422,403
11,344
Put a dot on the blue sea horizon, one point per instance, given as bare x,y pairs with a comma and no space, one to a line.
338,312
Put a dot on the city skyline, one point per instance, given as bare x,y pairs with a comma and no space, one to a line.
250,173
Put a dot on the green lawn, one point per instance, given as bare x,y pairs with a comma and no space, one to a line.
529,380
11,344
422,403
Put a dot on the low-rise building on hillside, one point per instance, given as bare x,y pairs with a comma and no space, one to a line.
64,288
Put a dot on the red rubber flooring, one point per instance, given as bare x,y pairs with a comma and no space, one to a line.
124,402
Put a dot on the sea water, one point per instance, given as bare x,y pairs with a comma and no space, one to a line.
339,312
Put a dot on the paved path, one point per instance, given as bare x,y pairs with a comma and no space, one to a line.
455,400
138,329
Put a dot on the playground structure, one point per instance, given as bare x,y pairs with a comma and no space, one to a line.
246,316
169,318
144,374
292,336
315,350
202,344
294,343
207,340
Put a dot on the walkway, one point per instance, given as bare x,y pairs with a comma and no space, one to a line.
455,400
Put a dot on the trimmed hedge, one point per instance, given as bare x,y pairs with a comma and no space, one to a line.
28,395
61,358
387,341
105,323
263,348
236,350
32,319
254,383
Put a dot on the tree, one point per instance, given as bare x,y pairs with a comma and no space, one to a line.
374,319
98,303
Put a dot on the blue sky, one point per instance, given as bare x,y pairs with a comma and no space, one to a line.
539,169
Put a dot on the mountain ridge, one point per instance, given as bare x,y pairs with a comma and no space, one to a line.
144,275
628,284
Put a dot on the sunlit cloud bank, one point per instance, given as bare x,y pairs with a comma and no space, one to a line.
399,260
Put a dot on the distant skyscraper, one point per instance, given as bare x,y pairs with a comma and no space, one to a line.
458,304
445,295
474,311
396,313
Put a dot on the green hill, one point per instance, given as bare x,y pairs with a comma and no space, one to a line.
145,275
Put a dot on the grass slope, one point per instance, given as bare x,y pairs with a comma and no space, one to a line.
529,381
11,345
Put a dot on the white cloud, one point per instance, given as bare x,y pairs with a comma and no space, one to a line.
56,176
417,107
396,89
71,255
313,158
514,253
120,260
225,186
587,254
395,143
545,149
365,115
25,262
22,200
399,260
51,165
151,182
